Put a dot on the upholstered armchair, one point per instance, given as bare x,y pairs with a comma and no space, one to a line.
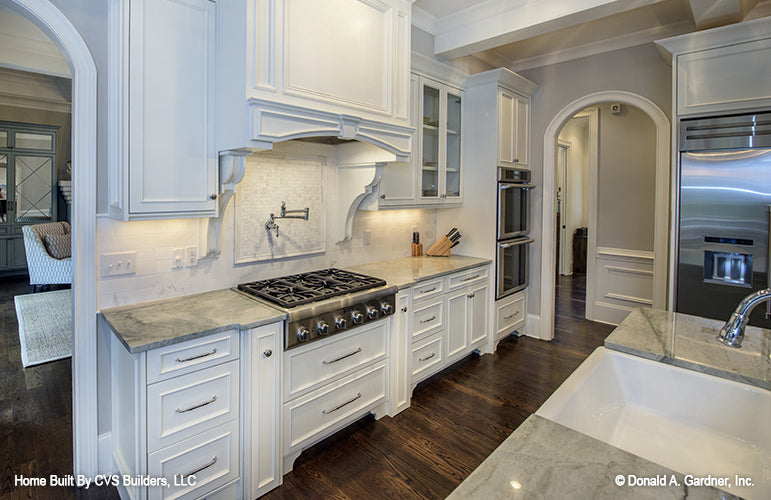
48,254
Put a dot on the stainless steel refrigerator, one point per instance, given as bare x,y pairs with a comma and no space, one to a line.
724,214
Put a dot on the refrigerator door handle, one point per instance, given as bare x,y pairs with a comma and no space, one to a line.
768,263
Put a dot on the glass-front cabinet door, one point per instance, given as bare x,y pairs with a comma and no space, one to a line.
452,163
27,186
440,167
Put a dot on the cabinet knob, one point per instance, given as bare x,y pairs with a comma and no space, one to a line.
516,160
213,196
268,353
443,195
382,197
470,296
404,309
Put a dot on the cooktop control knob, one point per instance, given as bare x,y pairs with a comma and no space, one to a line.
357,317
322,327
340,323
386,308
303,334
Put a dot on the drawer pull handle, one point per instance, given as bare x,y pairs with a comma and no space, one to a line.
199,469
471,278
357,351
471,295
512,315
428,320
327,412
432,289
199,405
191,358
427,357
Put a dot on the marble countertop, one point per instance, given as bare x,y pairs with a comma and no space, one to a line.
543,459
145,326
690,342
148,325
406,271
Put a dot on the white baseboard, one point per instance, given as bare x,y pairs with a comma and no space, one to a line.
105,453
532,326
610,314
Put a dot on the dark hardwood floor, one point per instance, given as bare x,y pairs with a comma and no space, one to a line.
35,413
457,417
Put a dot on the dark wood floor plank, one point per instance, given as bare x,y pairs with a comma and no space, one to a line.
456,418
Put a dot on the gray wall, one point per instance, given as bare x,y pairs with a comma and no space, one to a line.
639,69
627,174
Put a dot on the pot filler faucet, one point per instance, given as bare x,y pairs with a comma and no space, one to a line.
271,225
732,332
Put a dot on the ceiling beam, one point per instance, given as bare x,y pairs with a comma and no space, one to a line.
499,22
711,13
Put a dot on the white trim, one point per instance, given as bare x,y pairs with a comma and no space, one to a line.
594,185
424,21
661,216
533,327
626,254
84,96
437,70
601,47
106,461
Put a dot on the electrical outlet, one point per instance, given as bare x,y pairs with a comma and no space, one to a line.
191,256
178,258
119,263
367,237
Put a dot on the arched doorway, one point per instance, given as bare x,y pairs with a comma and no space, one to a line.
84,97
662,196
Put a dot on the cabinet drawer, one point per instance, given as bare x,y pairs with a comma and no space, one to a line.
427,358
305,369
211,456
182,407
229,492
509,315
427,317
308,416
428,289
466,278
185,357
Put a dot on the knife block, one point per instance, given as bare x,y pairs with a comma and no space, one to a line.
441,248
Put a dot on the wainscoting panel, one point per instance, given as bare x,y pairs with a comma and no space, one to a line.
624,281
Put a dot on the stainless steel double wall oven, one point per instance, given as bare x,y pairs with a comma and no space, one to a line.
513,227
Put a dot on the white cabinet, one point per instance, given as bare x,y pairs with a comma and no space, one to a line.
449,318
513,128
330,384
178,423
261,368
435,175
163,161
295,68
722,69
510,315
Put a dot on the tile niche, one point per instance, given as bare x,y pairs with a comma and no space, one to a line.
270,180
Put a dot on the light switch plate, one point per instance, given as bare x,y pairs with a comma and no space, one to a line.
178,258
119,263
367,237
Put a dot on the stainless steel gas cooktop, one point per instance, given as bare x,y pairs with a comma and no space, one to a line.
325,302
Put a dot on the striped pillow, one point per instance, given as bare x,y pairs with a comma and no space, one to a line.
59,245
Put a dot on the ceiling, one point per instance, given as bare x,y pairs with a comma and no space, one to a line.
522,34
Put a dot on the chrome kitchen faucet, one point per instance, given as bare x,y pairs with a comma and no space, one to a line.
732,332
271,225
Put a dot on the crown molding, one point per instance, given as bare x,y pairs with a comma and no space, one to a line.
437,70
602,46
424,21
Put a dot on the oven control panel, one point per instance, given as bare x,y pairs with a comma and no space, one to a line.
339,320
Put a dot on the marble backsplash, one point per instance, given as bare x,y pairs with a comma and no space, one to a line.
154,241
